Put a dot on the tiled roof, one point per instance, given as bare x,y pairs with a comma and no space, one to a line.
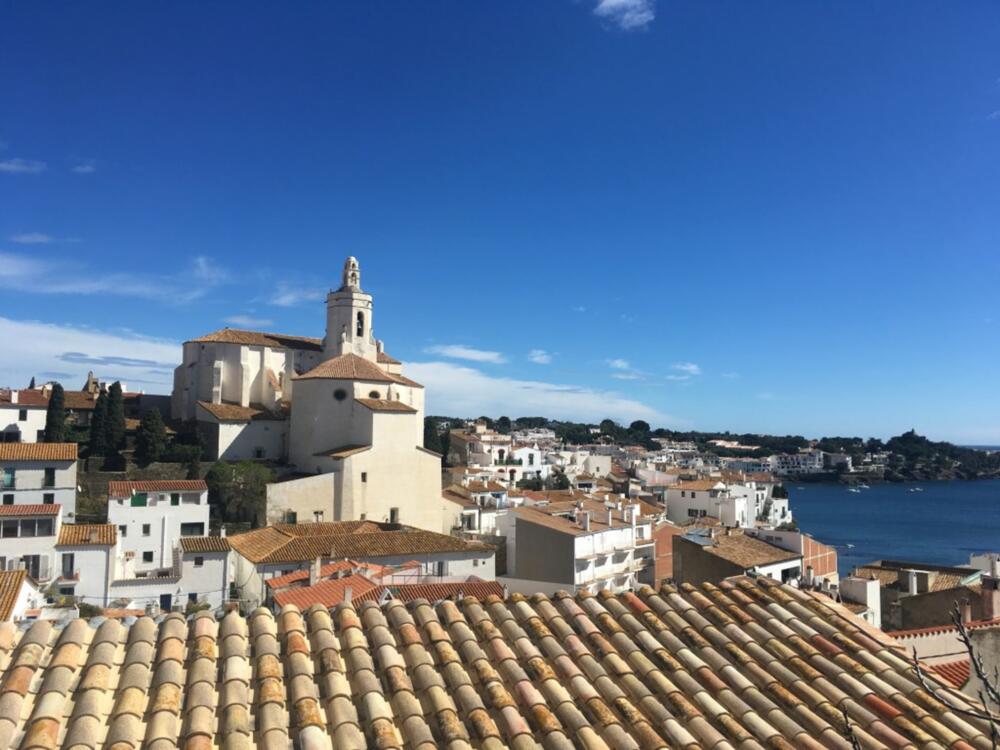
942,578
381,404
956,672
259,338
26,399
325,571
434,592
343,451
741,665
459,495
237,413
38,451
32,509
276,544
385,359
205,544
11,582
125,489
88,535
747,551
79,400
330,593
350,367
942,629
698,484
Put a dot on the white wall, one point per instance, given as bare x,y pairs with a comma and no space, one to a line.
29,481
304,496
164,521
260,438
10,421
208,581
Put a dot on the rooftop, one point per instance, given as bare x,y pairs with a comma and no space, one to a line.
742,665
88,535
352,367
743,550
235,413
123,489
205,544
11,582
259,338
38,451
31,509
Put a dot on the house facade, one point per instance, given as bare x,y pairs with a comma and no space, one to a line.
39,474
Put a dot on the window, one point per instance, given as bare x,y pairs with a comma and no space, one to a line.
68,565
374,394
199,561
364,476
147,557
317,516
258,452
192,529
139,500
193,598
28,527
692,512
123,530
145,529
22,415
39,436
65,591
340,394
175,498
50,478
48,498
8,499
440,568
8,529
9,479
361,324
393,515
45,527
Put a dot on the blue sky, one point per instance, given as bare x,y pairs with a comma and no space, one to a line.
777,217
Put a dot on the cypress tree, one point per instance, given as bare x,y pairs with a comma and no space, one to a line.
432,440
116,418
151,439
55,416
31,385
99,426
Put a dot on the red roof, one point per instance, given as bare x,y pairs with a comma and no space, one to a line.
30,510
940,629
330,593
434,592
956,672
125,489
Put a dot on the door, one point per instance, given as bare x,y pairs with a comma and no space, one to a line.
166,600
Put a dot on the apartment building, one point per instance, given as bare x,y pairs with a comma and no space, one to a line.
22,416
39,474
153,516
689,501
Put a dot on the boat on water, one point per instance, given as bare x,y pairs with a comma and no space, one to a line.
915,489
854,489
850,546
863,486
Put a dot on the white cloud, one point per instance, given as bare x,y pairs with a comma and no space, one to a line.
32,238
85,166
688,368
540,356
288,295
69,276
619,364
22,166
629,15
248,321
677,378
457,351
459,390
33,347
205,269
626,376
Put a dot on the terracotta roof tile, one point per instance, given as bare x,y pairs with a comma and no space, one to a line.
747,551
381,404
88,535
385,359
31,509
350,367
205,544
344,451
38,451
743,664
956,672
25,399
329,593
11,582
259,338
236,413
123,489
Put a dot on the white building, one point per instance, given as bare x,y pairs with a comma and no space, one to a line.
22,416
18,594
790,464
206,570
687,501
39,474
580,544
153,516
28,534
338,409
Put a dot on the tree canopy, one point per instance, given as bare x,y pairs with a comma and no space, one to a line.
151,439
99,426
116,417
239,490
55,416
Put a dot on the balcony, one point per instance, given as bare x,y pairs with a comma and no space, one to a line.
67,577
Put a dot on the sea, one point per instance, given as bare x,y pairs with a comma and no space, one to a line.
943,524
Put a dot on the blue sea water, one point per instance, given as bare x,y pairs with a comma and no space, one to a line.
944,524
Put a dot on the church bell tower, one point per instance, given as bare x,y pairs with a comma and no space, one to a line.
349,317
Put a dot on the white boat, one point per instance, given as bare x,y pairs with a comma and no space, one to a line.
854,489
863,486
915,489
850,546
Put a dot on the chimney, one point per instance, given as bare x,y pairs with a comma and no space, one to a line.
966,611
586,520
222,533
314,568
347,594
13,396
609,516
991,592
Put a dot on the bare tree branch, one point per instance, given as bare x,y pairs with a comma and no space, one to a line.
849,732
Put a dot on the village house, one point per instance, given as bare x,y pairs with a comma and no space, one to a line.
22,416
687,501
712,554
39,474
18,595
152,516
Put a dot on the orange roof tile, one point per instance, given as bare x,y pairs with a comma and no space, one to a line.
381,404
956,672
205,544
120,489
259,338
33,509
88,535
236,413
38,451
349,367
11,582
329,593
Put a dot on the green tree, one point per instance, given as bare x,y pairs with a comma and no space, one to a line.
639,426
608,427
55,416
193,464
116,417
559,482
99,426
240,490
31,385
151,440
432,439
445,438
503,425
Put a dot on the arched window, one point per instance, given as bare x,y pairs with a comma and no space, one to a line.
361,323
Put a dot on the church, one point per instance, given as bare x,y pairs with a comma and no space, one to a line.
338,410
